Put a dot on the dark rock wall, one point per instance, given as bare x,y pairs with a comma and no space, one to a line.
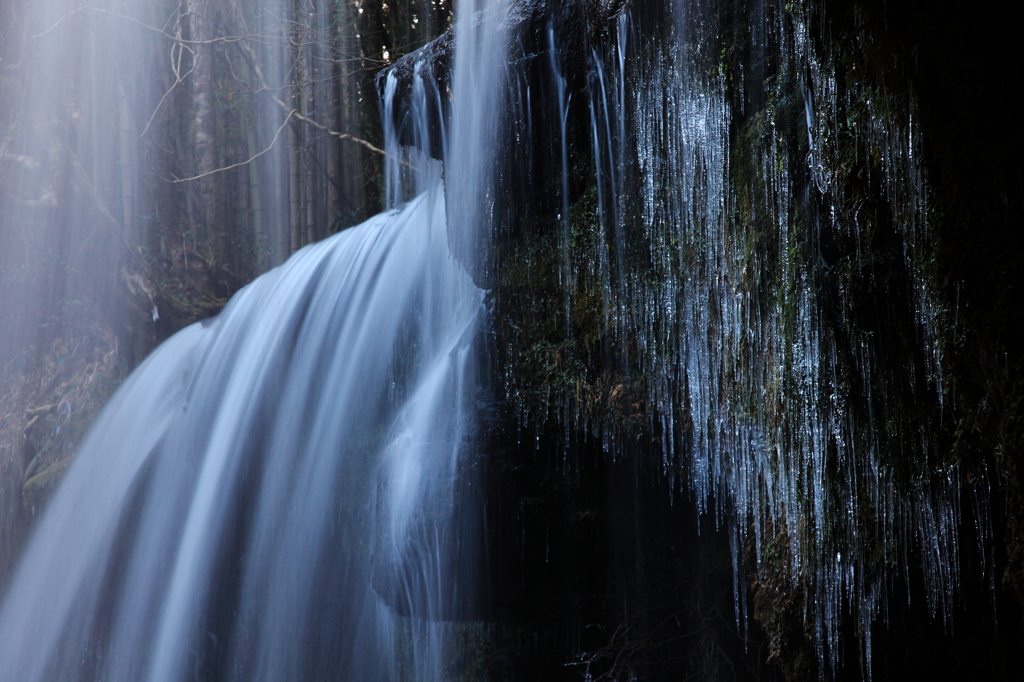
870,216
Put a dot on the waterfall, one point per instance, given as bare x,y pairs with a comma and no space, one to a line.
655,307
271,494
225,511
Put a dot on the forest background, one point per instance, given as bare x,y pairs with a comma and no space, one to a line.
145,180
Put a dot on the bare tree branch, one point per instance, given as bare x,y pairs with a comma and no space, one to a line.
254,63
178,79
252,158
178,39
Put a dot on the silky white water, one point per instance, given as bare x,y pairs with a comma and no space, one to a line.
270,495
224,516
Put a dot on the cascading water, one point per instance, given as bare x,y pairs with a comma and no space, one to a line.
733,328
270,495
706,253
221,515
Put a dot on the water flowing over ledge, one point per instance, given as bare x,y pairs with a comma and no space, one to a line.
226,511
673,356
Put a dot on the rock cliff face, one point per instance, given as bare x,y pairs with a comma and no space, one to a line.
755,401
754,265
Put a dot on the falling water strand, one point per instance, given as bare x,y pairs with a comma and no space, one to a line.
732,331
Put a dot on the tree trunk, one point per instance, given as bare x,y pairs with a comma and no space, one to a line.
126,150
211,191
295,203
